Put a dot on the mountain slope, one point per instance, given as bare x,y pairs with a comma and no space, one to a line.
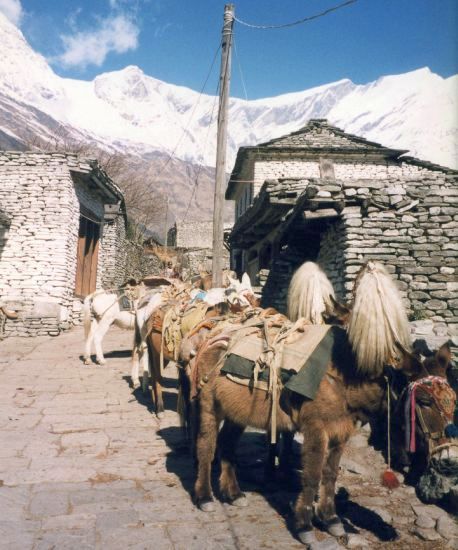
139,116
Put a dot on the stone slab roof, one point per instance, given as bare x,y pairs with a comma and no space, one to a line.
319,134
86,166
316,138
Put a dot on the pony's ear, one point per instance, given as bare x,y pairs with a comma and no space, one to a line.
246,281
420,347
233,282
444,356
340,309
411,364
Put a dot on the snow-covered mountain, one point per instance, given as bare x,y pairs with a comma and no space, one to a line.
131,112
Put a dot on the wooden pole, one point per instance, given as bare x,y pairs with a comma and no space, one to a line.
220,180
165,221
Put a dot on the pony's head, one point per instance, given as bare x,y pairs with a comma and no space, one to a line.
424,435
240,294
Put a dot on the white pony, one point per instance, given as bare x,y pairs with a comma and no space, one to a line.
106,310
140,348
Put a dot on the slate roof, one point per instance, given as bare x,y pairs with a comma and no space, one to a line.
319,134
315,138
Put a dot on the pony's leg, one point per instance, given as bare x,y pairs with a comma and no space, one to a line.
156,387
286,452
135,367
227,442
99,334
88,343
206,446
326,508
313,459
145,366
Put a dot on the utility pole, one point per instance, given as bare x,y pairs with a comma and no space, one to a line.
165,221
220,180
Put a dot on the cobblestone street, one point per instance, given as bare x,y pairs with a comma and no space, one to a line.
85,464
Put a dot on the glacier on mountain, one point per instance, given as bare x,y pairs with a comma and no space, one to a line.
129,110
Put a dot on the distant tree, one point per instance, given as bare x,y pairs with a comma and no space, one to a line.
146,205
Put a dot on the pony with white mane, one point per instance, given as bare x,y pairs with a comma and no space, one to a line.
310,294
378,338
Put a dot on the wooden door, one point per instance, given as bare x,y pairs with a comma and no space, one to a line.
87,257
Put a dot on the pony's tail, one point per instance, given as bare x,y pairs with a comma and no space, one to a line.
378,327
87,314
309,294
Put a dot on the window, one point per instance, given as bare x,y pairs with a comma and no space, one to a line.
87,256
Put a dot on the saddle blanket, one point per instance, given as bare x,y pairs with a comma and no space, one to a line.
304,361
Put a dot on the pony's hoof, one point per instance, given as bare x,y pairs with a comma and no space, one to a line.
101,362
86,361
160,415
135,384
208,506
240,502
307,538
335,528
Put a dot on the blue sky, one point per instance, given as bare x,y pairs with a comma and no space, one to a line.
176,40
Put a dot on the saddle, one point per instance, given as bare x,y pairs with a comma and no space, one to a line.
175,320
296,356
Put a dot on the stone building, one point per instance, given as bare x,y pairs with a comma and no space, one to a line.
325,195
193,242
62,235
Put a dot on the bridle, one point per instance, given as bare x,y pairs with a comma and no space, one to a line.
407,407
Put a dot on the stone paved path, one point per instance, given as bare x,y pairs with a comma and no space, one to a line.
84,464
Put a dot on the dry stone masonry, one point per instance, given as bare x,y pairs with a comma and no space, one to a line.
43,196
323,195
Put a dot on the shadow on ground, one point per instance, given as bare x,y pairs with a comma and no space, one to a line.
280,493
169,397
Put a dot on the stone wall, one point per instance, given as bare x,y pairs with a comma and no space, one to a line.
331,256
274,169
409,224
42,194
343,170
113,253
195,259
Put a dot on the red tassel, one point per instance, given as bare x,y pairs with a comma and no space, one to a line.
389,479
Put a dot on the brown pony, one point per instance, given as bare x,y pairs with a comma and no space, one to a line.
311,297
354,388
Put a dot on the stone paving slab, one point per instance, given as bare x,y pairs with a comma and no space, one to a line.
84,464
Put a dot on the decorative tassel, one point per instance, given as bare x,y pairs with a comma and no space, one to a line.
389,478
451,431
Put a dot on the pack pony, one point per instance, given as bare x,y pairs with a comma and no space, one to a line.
353,388
101,309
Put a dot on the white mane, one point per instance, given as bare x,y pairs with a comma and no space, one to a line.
378,320
309,294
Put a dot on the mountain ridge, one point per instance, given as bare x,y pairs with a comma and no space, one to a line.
129,112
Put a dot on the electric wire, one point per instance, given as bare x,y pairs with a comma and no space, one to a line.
185,129
199,170
242,79
300,21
